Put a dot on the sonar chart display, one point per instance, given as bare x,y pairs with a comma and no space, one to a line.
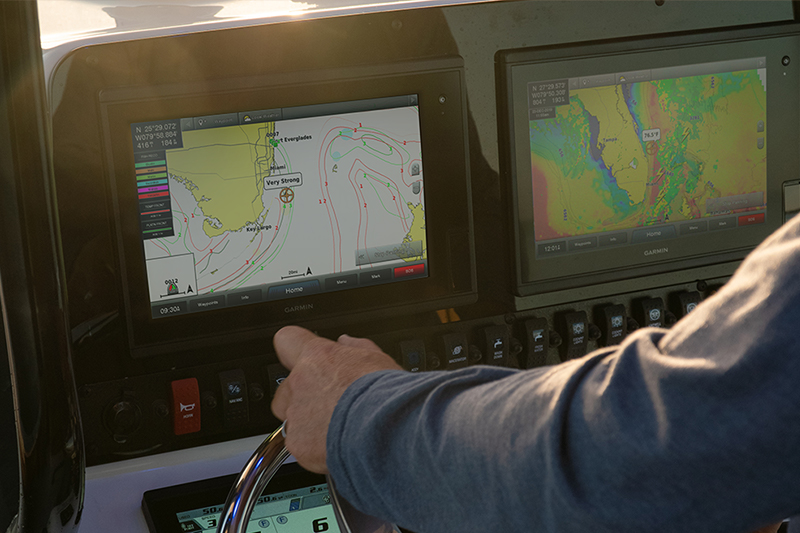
265,205
644,156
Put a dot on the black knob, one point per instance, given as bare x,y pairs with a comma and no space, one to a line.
669,318
594,332
256,392
124,415
633,325
161,409
123,418
434,362
555,339
209,400
516,347
475,354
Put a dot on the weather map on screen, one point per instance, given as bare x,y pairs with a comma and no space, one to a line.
627,157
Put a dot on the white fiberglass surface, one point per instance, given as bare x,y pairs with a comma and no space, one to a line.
63,21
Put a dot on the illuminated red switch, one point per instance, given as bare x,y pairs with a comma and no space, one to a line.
185,406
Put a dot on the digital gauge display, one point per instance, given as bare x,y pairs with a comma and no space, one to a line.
294,511
295,501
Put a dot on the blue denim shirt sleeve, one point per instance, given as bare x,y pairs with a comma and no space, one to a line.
692,429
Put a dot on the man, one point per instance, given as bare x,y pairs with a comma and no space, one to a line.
691,429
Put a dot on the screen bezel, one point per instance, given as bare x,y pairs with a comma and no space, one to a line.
572,270
439,87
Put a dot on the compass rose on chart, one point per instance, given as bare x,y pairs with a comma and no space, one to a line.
286,195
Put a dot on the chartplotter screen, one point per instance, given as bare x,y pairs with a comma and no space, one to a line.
272,204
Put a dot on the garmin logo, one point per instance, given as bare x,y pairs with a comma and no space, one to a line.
656,251
295,308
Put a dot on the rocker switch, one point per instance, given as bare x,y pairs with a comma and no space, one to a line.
456,349
577,334
653,312
185,395
615,324
234,397
537,333
496,345
689,301
413,354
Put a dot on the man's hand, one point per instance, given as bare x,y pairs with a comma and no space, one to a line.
321,370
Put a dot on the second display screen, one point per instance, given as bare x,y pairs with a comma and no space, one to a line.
648,155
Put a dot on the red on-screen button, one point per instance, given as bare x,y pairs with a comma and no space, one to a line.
410,270
185,406
746,220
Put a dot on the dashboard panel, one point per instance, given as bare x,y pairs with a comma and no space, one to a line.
383,175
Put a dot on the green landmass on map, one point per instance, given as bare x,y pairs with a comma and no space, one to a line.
224,169
645,153
417,231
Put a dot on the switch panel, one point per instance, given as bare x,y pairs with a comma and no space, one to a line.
577,330
653,312
537,334
496,345
235,403
615,324
413,355
456,349
689,301
185,406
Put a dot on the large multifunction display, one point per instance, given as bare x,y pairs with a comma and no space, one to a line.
642,157
260,205
646,156
247,204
